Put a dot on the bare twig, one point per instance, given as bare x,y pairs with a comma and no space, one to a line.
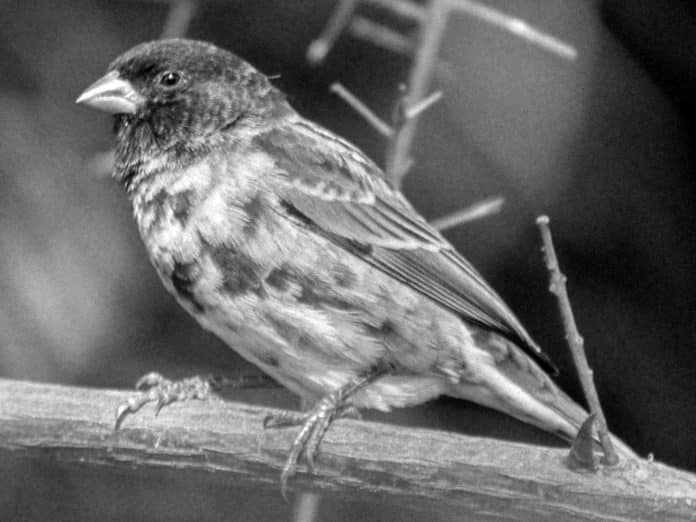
515,26
574,339
453,475
380,35
482,209
489,15
361,108
401,8
179,18
432,30
319,48
420,107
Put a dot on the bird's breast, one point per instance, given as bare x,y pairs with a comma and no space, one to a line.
286,298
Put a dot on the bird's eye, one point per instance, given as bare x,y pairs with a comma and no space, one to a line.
170,79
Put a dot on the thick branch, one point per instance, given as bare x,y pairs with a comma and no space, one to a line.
420,468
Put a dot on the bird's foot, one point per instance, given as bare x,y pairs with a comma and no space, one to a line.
314,424
157,389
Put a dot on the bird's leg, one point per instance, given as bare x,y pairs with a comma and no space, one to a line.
316,421
162,391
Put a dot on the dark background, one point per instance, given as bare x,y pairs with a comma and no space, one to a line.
604,145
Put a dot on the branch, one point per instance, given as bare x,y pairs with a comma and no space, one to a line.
515,26
432,30
574,339
319,48
423,469
362,109
511,24
479,210
179,18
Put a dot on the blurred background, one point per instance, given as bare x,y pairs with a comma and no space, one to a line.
603,144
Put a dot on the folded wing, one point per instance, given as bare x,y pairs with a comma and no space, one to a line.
344,194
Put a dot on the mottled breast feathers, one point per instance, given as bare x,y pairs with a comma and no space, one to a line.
352,203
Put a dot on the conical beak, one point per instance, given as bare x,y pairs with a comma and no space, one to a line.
111,93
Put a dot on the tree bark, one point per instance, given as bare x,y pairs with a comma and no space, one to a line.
425,469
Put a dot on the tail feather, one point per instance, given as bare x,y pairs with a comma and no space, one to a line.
515,385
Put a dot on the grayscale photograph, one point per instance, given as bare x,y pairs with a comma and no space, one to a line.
346,260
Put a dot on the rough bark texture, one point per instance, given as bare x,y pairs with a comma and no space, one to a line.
474,477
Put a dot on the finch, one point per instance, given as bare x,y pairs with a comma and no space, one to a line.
288,243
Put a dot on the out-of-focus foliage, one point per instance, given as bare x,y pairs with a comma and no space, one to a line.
599,144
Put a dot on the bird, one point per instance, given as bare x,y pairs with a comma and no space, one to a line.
291,245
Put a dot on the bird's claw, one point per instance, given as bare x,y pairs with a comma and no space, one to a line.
157,389
314,425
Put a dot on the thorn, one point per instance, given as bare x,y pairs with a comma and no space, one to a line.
581,455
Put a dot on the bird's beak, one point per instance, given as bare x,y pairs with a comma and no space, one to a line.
113,94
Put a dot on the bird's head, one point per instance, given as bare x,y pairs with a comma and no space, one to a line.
179,95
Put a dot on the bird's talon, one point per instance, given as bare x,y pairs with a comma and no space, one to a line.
121,412
309,457
154,388
284,476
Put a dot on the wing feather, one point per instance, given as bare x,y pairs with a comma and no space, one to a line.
332,184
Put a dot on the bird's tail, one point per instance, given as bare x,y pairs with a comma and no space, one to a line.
517,386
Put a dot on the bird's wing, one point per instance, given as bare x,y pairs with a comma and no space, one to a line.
344,194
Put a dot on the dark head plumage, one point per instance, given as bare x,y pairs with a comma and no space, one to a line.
174,95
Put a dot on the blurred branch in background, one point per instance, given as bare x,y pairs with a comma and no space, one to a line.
432,21
479,210
179,18
423,469
410,10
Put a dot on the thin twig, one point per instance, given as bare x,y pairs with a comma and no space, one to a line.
416,109
361,108
403,9
320,47
489,15
516,26
179,18
482,209
574,339
380,35
432,30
